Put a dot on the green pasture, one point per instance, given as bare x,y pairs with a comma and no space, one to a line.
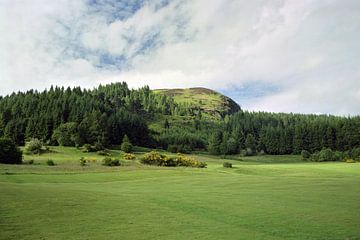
263,197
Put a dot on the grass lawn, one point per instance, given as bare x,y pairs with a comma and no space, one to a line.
266,197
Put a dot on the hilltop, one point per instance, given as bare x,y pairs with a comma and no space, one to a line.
209,102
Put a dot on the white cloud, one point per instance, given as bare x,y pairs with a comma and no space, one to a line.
307,49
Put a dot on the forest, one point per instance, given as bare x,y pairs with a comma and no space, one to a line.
104,115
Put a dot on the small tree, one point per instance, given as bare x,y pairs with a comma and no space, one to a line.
305,154
34,146
9,152
66,134
326,154
126,145
214,143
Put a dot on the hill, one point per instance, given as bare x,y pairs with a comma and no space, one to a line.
209,102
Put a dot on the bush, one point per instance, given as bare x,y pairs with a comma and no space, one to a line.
315,156
326,154
30,162
50,162
88,148
157,159
338,156
202,165
111,162
184,149
9,152
247,152
174,148
153,158
126,145
129,156
98,147
305,154
355,153
227,165
35,146
182,160
82,161
350,161
103,153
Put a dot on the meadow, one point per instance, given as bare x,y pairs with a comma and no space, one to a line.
261,197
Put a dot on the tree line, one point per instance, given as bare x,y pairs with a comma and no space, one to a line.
104,115
75,116
280,133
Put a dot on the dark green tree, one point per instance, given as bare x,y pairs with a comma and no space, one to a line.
126,145
9,152
250,142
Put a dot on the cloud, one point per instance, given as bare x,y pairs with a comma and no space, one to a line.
279,55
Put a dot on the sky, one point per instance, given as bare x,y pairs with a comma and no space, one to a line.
298,56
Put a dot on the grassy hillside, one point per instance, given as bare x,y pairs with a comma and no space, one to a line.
211,104
258,198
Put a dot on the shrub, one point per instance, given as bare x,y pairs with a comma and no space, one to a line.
174,148
202,165
98,147
349,160
182,160
227,165
326,154
184,149
115,162
355,153
153,158
157,159
315,156
305,154
247,152
82,161
87,148
30,162
34,146
50,162
126,145
9,152
129,156
111,162
103,153
338,156
107,161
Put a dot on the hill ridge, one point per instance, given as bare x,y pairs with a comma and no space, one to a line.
209,101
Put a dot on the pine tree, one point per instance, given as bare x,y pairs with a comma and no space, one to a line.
250,142
126,145
214,143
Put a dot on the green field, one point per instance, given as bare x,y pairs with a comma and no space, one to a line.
266,197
